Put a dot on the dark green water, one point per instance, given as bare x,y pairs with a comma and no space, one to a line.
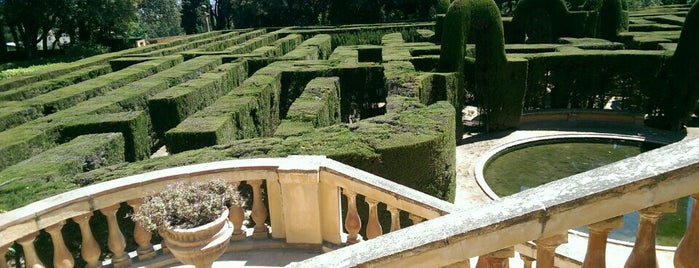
537,163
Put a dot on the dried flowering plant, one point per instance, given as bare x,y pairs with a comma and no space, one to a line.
187,205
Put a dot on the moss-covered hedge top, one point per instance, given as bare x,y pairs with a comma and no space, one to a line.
215,70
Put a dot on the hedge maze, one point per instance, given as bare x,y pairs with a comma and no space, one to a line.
381,98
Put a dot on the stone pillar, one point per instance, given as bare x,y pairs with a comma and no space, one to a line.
528,261
61,256
89,250
300,196
687,253
395,218
259,211
496,259
30,257
116,242
236,215
546,249
373,226
352,221
643,253
330,208
415,218
142,236
3,251
597,242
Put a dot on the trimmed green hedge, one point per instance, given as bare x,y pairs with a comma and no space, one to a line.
588,79
64,68
418,136
35,178
133,126
317,47
234,40
134,96
254,43
679,90
288,43
317,106
34,89
499,86
248,111
24,141
272,90
170,107
203,39
66,97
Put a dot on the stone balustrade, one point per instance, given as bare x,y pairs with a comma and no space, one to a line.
303,207
313,188
648,183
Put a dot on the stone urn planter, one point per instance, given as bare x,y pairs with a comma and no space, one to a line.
199,246
192,218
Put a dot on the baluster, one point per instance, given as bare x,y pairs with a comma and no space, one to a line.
30,257
546,249
643,252
3,251
395,218
687,253
597,242
373,227
352,221
89,250
415,218
115,242
61,255
142,236
236,215
259,211
164,248
496,259
528,261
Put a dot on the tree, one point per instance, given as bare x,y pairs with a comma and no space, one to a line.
160,17
27,18
3,41
195,16
223,11
104,21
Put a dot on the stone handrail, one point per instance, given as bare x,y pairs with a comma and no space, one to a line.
292,185
644,183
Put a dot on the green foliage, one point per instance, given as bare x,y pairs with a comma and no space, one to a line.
170,107
539,21
29,91
82,154
187,205
610,19
677,78
159,18
442,6
499,85
318,105
4,74
195,16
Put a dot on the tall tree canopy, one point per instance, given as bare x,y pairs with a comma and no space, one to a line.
112,22
160,18
195,16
